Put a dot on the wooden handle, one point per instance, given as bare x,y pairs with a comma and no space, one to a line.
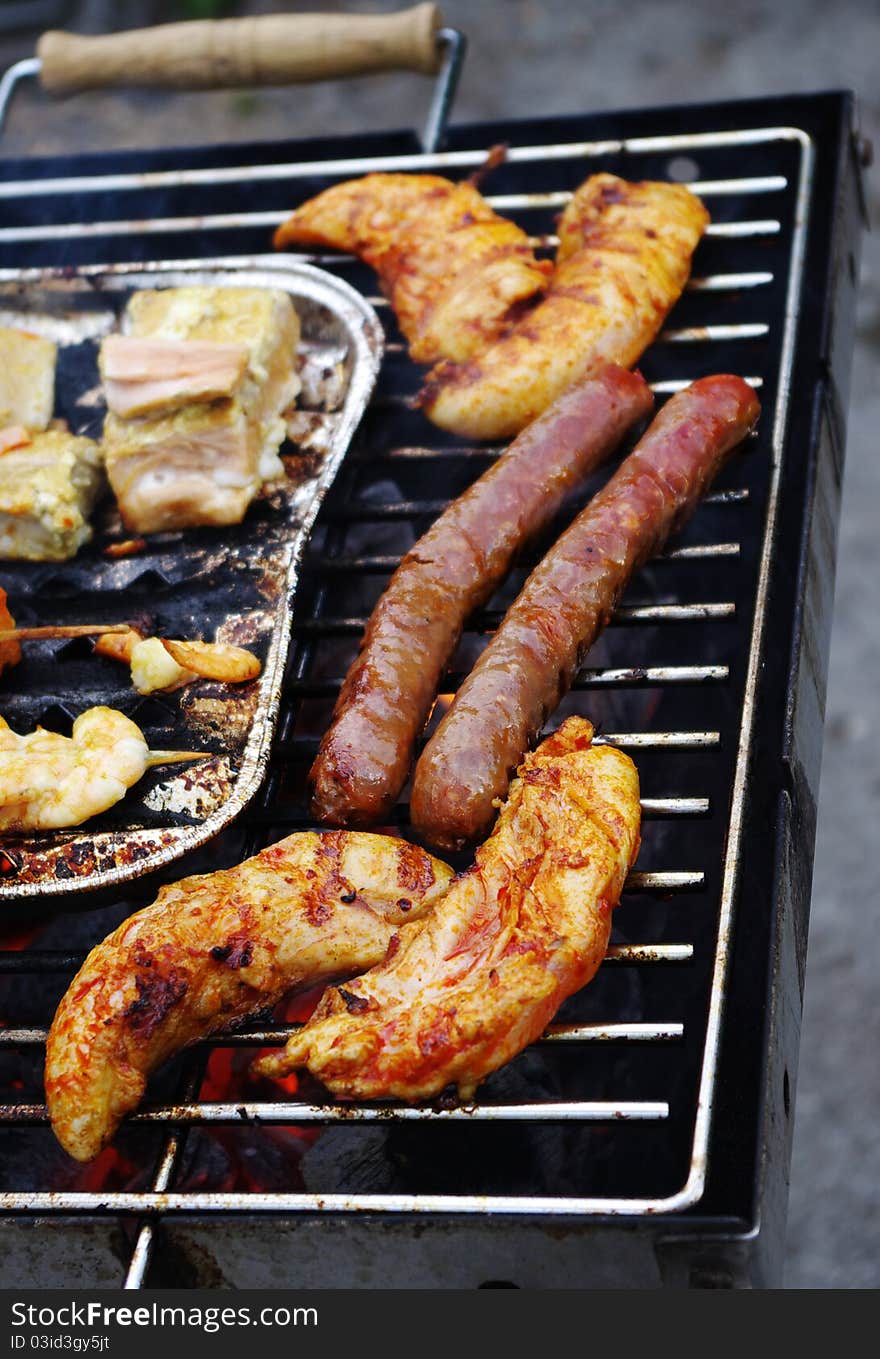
271,49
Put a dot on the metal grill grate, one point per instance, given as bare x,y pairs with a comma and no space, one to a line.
620,1091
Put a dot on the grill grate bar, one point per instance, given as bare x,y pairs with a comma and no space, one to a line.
162,1180
587,679
304,747
718,283
670,385
296,815
273,1113
705,334
361,165
489,619
705,188
238,221
277,1037
619,954
334,566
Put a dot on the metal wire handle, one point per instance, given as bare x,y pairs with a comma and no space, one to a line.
451,46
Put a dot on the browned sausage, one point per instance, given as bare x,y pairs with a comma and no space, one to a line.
565,603
366,755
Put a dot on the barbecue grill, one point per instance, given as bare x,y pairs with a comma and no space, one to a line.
645,1140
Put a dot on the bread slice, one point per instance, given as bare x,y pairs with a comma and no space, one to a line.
181,464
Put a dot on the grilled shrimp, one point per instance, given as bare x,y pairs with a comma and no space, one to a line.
48,781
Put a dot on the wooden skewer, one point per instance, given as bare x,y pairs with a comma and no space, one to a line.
62,630
176,756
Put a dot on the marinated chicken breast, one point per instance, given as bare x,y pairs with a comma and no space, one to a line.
145,376
452,269
215,948
623,260
196,388
465,990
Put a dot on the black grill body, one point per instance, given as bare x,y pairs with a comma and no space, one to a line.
678,1176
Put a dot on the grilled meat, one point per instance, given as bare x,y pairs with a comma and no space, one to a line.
366,755
143,377
568,599
214,949
463,991
453,270
623,260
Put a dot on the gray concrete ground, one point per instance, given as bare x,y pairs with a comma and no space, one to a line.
560,56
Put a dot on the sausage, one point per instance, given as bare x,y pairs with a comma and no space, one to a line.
366,754
566,602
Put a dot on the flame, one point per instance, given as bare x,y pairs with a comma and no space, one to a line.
110,1170
15,939
229,1077
442,704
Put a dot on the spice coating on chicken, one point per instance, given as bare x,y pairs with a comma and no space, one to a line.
623,260
450,266
468,988
215,948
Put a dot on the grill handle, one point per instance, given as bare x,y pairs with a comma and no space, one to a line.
270,49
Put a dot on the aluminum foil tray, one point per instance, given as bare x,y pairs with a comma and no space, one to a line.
232,584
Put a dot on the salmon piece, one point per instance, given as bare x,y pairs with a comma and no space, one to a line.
14,436
143,376
48,488
199,461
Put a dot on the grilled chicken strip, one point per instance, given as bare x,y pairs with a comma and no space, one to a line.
215,948
623,260
463,991
451,267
